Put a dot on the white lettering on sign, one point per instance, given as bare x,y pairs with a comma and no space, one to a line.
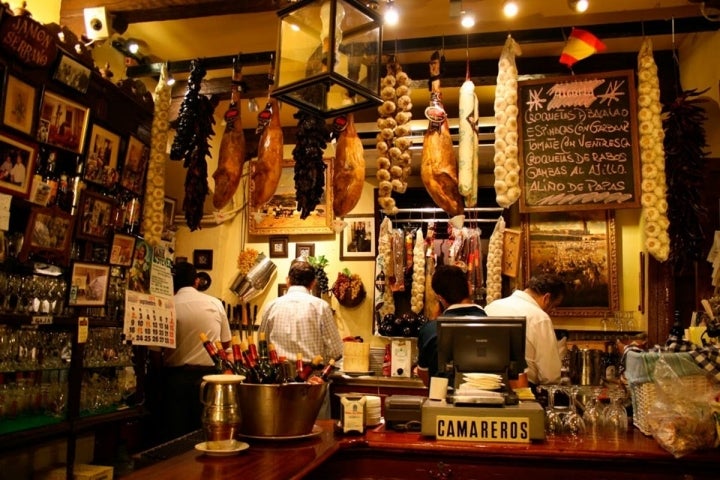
41,320
485,429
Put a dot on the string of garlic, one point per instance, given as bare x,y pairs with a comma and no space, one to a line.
507,166
652,156
385,255
386,125
418,278
400,154
494,262
153,209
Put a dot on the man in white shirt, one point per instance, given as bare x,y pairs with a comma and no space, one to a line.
542,351
186,364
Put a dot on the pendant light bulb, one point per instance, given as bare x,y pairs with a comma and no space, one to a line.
467,20
579,6
133,47
510,8
391,16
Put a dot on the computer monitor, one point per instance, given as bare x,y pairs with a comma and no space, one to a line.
481,344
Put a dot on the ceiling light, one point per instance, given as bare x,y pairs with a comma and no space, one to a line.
170,80
579,6
133,47
510,8
294,27
467,20
391,16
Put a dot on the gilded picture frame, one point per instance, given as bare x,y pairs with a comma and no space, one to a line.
280,215
62,123
580,247
135,165
94,217
88,284
101,163
17,164
19,105
48,235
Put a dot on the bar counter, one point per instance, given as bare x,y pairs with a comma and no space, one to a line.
380,454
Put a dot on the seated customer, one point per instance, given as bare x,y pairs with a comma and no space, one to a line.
450,284
542,352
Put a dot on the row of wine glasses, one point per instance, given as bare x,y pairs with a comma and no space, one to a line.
32,294
594,418
106,347
31,349
33,393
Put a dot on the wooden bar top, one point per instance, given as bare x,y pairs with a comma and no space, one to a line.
388,454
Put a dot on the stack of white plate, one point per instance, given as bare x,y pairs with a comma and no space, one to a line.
373,412
483,381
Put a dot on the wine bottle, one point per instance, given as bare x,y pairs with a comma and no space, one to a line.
227,366
325,373
251,365
253,348
308,368
299,367
214,354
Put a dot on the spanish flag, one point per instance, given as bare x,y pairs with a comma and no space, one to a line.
581,44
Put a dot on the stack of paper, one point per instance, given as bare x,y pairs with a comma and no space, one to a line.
482,381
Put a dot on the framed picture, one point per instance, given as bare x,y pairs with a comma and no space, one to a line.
581,248
168,218
282,289
134,166
48,235
94,214
280,214
304,250
17,167
203,259
72,73
278,247
88,284
512,240
357,239
19,105
102,157
121,252
62,122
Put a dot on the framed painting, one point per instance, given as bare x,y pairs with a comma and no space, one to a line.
121,252
581,248
280,216
88,284
134,166
48,235
278,247
203,259
357,239
72,74
19,105
63,123
304,250
102,157
94,214
18,164
168,218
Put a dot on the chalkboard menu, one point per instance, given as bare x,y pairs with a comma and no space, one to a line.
578,142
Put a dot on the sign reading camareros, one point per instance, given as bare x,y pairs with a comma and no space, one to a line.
28,40
484,429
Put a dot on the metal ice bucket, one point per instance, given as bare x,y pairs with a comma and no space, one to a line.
284,410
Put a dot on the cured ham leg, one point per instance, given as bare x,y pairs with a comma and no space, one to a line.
268,167
348,170
232,147
439,167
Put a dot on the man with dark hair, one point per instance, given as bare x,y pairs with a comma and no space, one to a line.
186,364
301,323
542,351
450,284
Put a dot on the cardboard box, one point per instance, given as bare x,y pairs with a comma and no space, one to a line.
82,471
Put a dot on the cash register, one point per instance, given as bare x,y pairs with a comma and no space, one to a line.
482,345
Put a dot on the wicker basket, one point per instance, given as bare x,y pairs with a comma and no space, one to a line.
640,366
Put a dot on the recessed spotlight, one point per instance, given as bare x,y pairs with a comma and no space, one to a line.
467,20
510,8
294,27
579,6
133,47
391,16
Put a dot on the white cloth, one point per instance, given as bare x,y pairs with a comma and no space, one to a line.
299,322
197,313
542,353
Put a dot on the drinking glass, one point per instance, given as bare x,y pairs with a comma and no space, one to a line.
594,412
553,414
615,420
573,423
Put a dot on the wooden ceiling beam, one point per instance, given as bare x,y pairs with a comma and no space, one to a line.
139,11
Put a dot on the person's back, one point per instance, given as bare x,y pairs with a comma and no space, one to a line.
299,322
542,353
